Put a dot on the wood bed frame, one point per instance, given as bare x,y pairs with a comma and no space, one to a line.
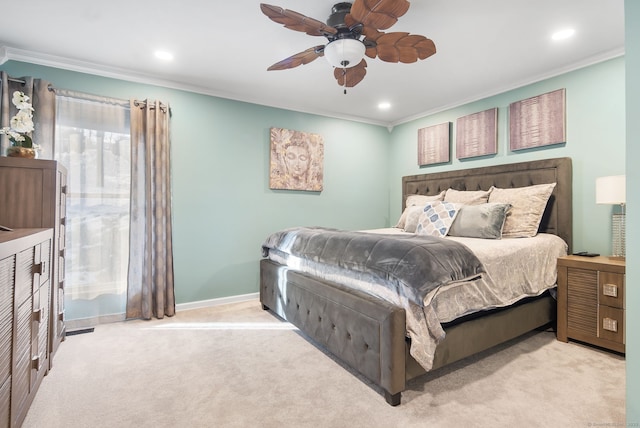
369,335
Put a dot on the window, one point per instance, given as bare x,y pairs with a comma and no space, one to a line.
93,142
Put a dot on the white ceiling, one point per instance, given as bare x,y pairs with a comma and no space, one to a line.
484,47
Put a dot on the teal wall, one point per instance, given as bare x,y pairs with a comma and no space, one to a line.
595,131
632,54
223,207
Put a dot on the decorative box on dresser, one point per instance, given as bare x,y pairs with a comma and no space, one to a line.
591,301
25,275
33,195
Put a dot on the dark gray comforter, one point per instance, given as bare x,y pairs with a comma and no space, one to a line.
411,265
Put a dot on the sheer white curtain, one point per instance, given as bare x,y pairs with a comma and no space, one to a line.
93,143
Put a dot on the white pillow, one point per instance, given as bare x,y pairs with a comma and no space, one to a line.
527,207
467,197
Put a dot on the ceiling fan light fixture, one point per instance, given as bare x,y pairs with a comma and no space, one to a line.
344,53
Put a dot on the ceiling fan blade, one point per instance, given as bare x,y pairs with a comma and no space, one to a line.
296,21
380,14
301,58
352,76
400,47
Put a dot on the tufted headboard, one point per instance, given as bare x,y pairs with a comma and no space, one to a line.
558,216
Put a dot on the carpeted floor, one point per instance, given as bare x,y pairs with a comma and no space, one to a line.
239,366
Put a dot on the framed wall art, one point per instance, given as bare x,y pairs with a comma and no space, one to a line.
537,121
477,134
296,160
434,144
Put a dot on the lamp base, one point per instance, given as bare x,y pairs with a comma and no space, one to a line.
618,230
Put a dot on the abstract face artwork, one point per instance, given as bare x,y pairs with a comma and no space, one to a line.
296,160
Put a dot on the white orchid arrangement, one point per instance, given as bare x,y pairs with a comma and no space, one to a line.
21,123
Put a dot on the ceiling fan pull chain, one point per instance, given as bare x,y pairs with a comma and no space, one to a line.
344,75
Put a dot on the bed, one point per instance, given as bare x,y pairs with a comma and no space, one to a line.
369,333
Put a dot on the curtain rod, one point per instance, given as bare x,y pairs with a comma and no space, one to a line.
22,82
91,97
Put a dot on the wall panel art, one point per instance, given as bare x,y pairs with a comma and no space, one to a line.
477,134
537,121
434,144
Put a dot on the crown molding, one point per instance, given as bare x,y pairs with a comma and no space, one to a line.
534,79
9,53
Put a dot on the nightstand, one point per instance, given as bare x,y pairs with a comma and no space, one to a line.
591,302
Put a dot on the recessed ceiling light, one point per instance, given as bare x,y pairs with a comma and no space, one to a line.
164,55
384,105
563,34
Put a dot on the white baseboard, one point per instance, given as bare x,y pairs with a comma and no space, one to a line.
217,302
82,323
104,319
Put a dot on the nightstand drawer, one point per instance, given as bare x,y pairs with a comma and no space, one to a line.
611,289
611,324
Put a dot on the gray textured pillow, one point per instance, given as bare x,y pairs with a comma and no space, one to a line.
527,207
467,197
480,221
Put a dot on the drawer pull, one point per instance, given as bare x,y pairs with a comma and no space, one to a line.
38,315
610,324
40,268
610,290
36,362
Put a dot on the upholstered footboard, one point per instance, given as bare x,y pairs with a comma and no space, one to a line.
365,333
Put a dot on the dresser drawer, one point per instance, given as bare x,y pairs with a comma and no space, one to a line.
611,289
611,324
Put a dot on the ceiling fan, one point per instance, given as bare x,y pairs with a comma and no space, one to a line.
352,31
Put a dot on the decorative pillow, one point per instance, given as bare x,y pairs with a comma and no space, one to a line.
437,218
411,216
527,207
480,221
419,201
467,197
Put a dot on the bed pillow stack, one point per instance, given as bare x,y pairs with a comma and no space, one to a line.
486,214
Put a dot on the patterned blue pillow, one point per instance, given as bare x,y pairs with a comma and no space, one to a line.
437,218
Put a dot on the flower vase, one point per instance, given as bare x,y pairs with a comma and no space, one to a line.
22,152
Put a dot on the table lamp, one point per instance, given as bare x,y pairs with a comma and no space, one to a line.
612,191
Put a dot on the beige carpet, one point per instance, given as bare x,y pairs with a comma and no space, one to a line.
238,366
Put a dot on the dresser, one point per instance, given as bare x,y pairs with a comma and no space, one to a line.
591,301
25,275
33,195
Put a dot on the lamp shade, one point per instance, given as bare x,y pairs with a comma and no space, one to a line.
611,190
344,53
